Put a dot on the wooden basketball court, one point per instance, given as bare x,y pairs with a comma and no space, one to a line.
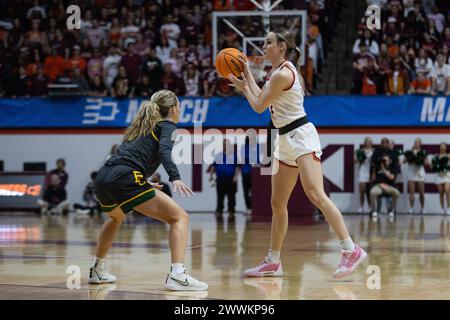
412,253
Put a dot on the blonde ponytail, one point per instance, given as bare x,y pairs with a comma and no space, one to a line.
150,113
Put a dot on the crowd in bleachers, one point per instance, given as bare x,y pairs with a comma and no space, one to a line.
131,48
409,55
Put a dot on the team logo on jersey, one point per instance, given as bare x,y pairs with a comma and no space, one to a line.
138,178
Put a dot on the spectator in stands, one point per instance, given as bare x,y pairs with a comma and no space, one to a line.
150,33
111,66
86,49
60,171
432,31
143,87
80,81
370,78
15,36
131,61
190,29
203,50
97,88
226,170
170,30
95,65
163,49
191,56
17,85
383,178
420,85
76,61
129,32
163,186
121,88
141,46
392,47
35,37
423,62
54,199
429,45
438,18
360,62
152,67
209,79
446,36
370,42
36,11
440,77
54,65
59,44
96,35
171,82
31,68
38,83
397,82
173,60
91,205
223,88
192,81
86,22
114,32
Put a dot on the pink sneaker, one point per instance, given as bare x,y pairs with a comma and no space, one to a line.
265,269
349,261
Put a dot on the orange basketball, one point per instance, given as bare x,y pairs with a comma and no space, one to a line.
227,61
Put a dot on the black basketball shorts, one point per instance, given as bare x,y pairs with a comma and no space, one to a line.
121,186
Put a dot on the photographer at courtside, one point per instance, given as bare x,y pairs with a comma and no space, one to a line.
384,172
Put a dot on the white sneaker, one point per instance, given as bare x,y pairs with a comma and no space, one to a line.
423,211
374,214
184,282
445,211
391,214
99,275
83,211
360,210
411,211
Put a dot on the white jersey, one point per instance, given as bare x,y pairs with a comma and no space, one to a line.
289,105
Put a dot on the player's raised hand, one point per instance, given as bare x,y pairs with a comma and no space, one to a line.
246,66
182,189
156,185
239,84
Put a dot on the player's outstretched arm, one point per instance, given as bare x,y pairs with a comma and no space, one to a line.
254,88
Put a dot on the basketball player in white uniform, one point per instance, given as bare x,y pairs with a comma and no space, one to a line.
297,152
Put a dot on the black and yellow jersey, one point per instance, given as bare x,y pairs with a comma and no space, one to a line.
148,152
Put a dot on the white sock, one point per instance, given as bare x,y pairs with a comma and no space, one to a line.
177,268
273,256
347,244
98,262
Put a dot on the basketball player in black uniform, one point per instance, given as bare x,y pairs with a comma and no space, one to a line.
121,186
